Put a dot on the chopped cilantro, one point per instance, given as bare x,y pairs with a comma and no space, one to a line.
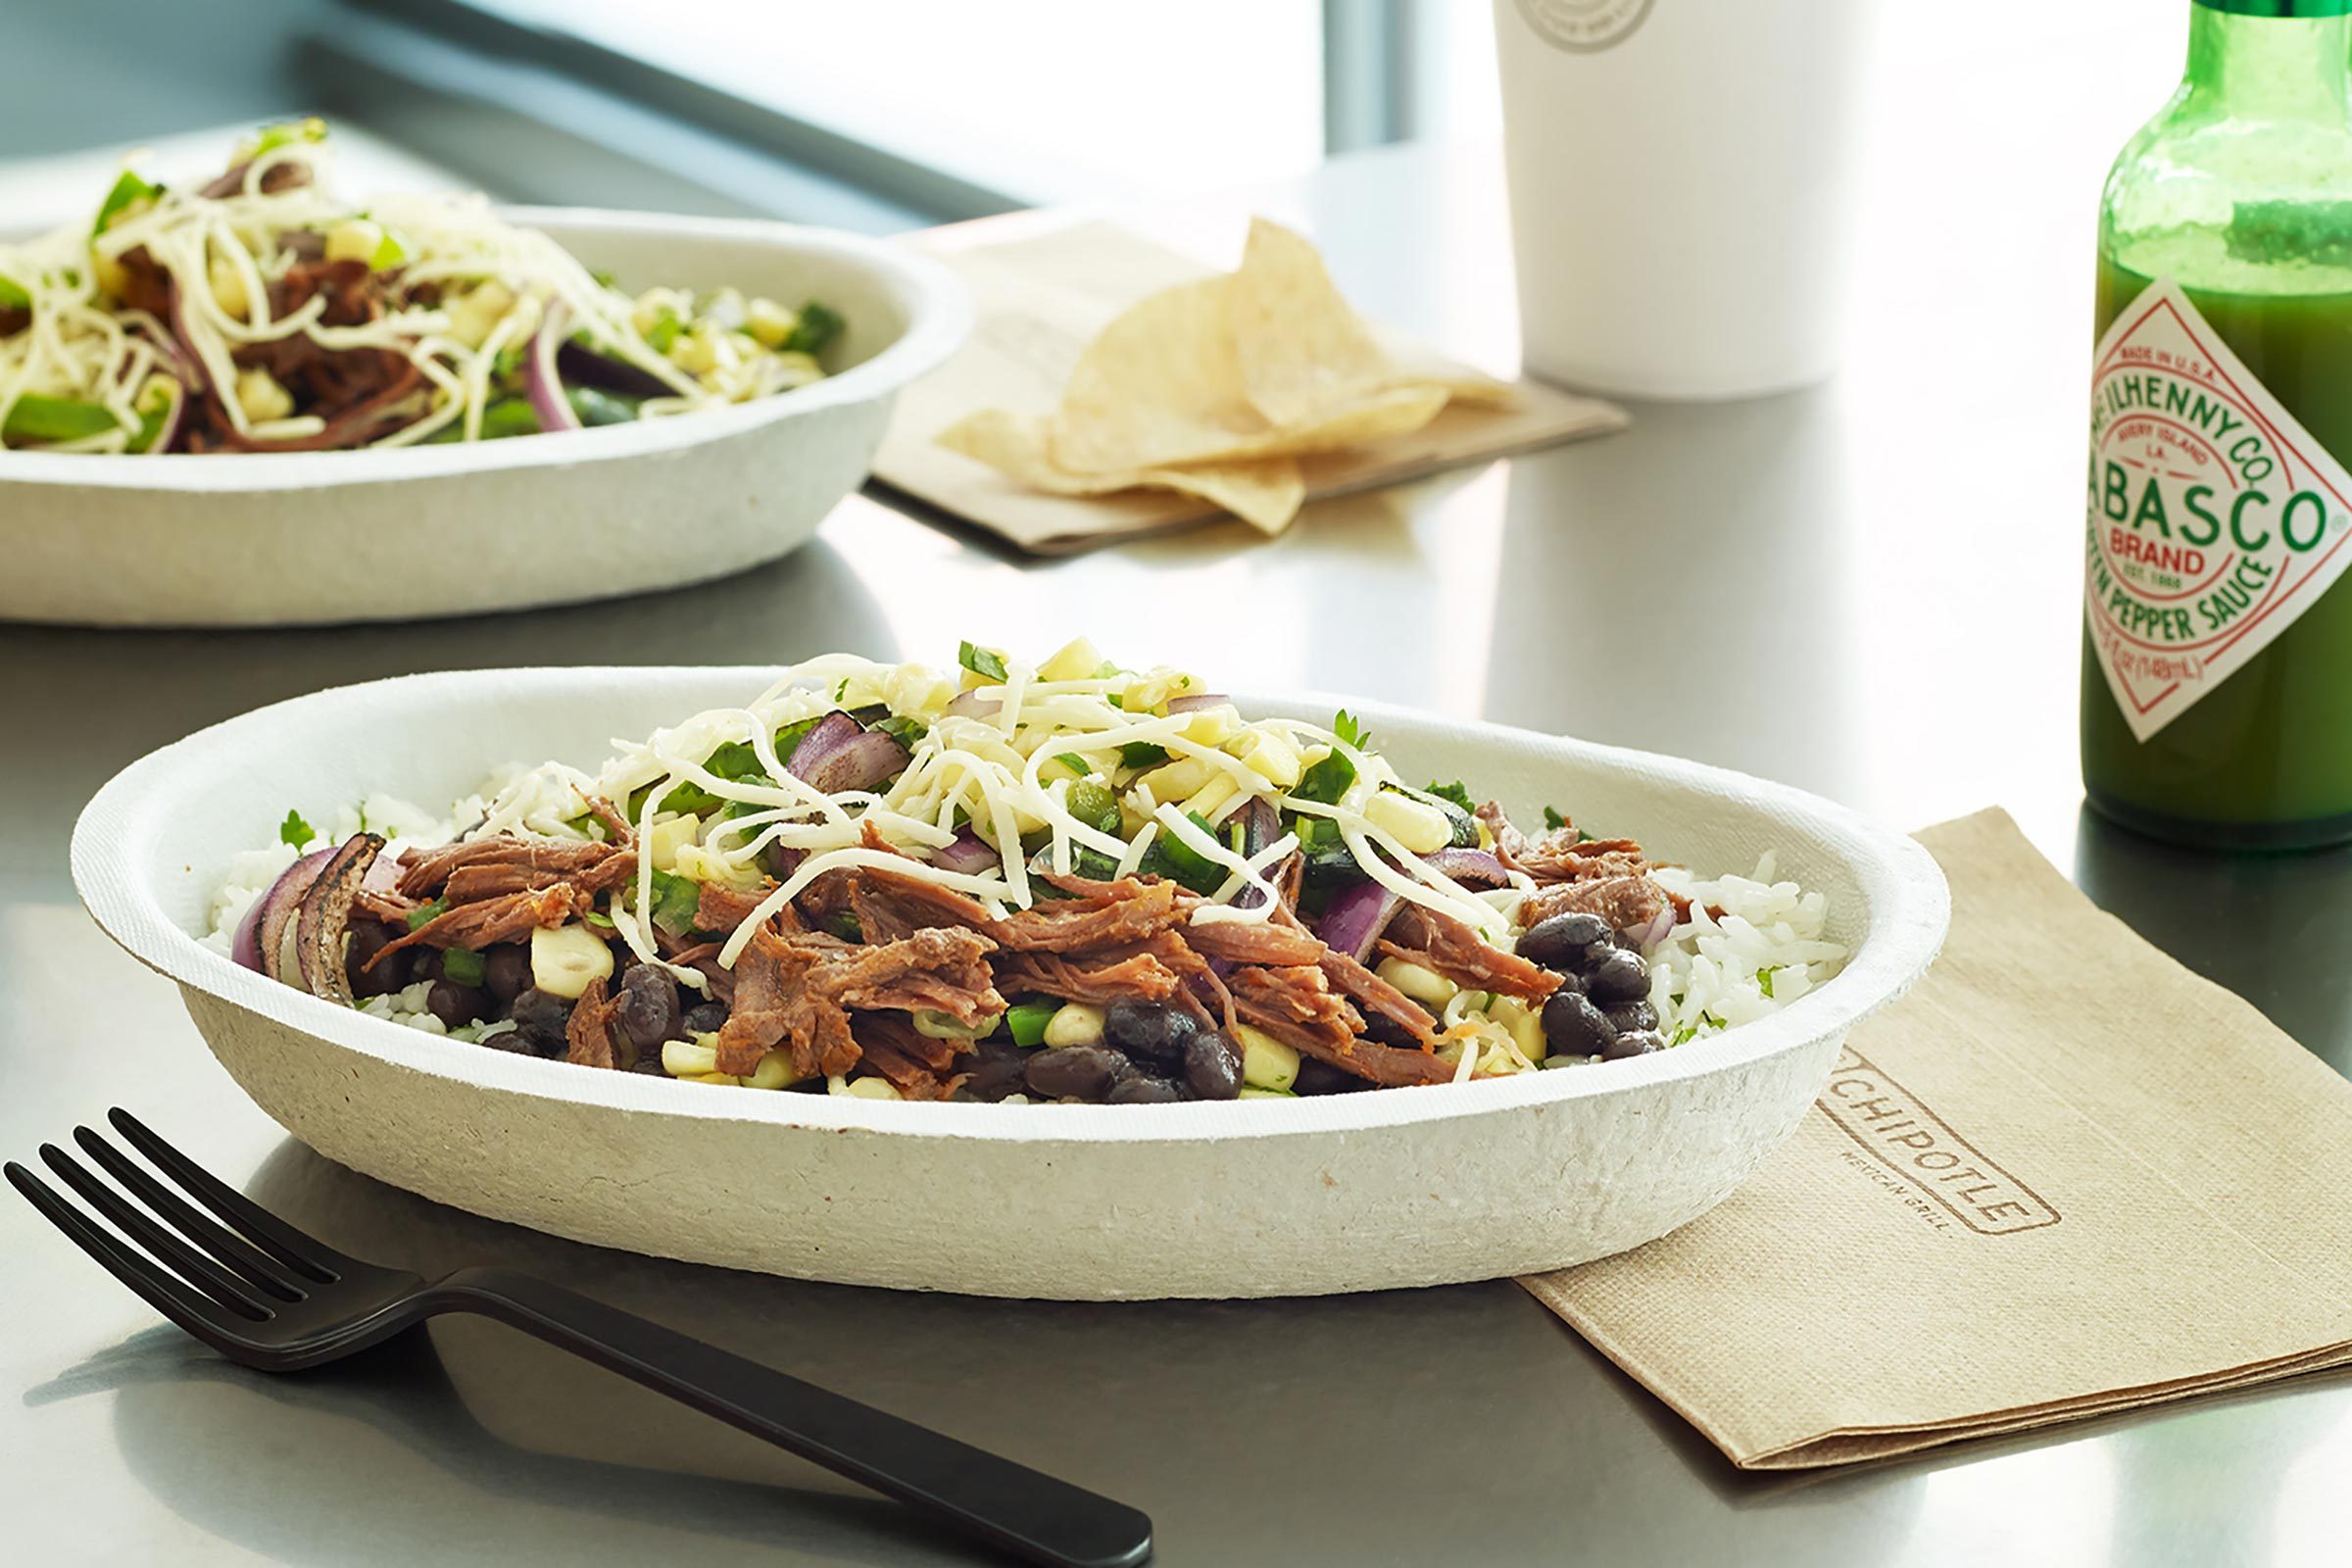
420,918
1327,780
1764,979
667,330
12,296
1141,754
1552,818
789,738
907,732
1685,1035
842,690
817,327
1345,726
295,831
1455,793
1074,762
980,660
735,762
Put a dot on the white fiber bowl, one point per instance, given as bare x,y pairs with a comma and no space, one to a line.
1401,1187
236,539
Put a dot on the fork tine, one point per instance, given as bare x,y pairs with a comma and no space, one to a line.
273,1235
191,1264
241,1256
158,1290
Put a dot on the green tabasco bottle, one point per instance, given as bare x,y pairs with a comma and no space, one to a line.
2217,667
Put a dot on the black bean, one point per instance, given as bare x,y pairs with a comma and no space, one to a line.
995,1071
1617,975
1322,1078
1074,1072
367,939
1574,1027
1639,1043
424,964
456,1005
1632,1018
704,1018
511,1040
1149,1032
1143,1089
1560,943
1211,1067
1570,980
505,971
647,1008
542,1017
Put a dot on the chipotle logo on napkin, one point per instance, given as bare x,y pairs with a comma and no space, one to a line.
1932,1164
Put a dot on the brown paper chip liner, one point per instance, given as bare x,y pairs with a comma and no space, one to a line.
1041,298
2063,1176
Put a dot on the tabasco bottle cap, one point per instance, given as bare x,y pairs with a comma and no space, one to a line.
2281,8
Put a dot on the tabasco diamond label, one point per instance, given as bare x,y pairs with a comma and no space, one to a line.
2215,518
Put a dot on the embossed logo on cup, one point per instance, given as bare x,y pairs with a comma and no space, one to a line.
1585,27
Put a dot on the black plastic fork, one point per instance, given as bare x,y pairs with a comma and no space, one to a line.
267,1295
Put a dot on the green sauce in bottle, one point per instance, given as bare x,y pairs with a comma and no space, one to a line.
2217,673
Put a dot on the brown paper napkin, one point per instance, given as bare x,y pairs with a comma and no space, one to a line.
2063,1176
1040,300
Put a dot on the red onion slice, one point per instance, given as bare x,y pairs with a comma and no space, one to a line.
1355,918
261,939
837,756
540,380
967,705
968,856
1655,930
326,918
586,367
198,381
1193,705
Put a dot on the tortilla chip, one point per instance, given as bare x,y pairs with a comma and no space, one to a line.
1266,494
1300,347
1161,384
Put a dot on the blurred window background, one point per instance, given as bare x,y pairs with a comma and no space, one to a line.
873,115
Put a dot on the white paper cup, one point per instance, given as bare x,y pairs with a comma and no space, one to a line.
1681,175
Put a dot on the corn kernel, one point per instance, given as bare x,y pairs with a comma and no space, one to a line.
1212,798
1075,1023
1271,758
354,240
229,287
661,845
689,1059
477,314
1422,984
1211,727
773,1072
1077,660
770,324
1420,828
1266,1062
864,1088
1178,780
261,397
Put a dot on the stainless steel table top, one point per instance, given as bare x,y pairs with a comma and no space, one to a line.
1869,590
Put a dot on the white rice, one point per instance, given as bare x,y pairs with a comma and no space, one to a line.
1766,951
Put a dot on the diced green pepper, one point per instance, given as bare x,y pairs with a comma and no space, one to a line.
12,296
129,188
460,966
420,918
155,401
667,330
907,732
1027,1021
1188,866
40,418
1094,804
597,406
508,417
1141,754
